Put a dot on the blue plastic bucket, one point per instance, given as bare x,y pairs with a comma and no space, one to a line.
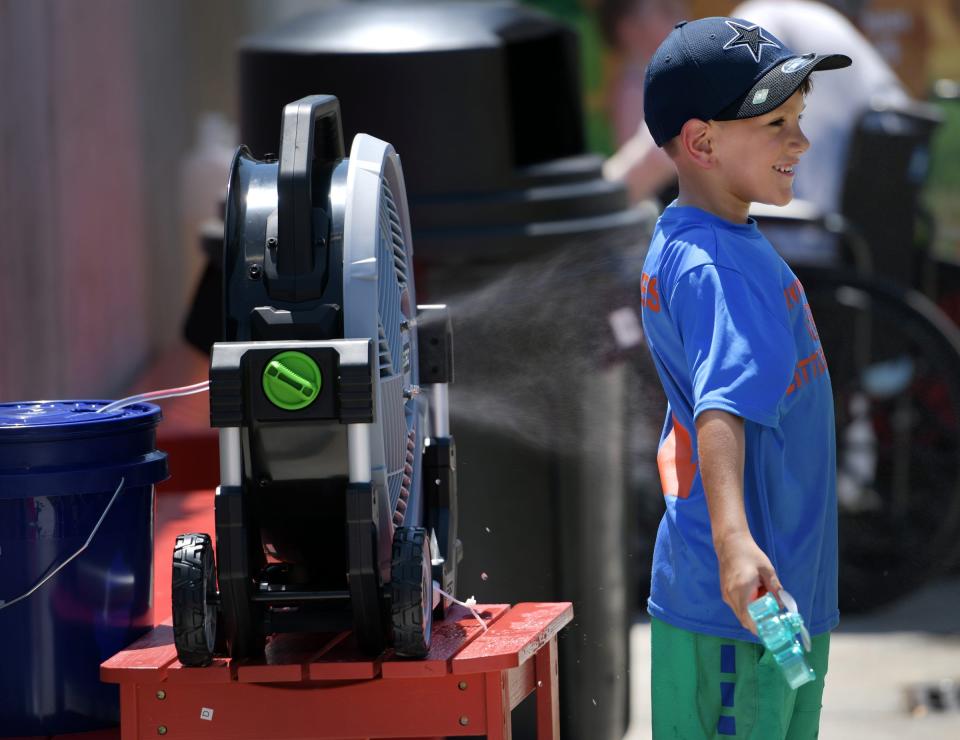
60,466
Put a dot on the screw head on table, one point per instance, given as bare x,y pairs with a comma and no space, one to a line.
464,720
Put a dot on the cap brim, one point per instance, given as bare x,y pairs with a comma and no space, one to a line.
779,83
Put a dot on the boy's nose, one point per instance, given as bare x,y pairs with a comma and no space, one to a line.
800,141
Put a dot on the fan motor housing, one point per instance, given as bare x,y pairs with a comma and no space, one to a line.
317,395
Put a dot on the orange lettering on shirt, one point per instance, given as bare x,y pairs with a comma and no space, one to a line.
811,325
793,293
649,296
809,368
675,462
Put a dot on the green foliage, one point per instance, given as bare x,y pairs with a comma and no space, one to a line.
598,130
945,152
942,193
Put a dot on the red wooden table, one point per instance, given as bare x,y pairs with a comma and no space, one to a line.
320,686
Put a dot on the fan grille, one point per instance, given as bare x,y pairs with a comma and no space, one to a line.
394,348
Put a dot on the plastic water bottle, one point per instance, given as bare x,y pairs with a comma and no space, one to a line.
777,630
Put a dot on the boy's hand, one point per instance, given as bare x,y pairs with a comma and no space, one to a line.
745,573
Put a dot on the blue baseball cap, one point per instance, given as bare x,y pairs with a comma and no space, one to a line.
722,69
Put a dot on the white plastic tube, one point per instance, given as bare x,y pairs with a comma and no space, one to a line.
468,604
185,390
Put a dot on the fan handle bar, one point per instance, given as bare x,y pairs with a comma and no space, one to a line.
311,139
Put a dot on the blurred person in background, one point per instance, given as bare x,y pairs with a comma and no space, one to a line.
634,29
833,107
901,32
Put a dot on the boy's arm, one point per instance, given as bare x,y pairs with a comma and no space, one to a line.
744,567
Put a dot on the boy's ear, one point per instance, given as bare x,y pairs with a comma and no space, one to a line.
696,142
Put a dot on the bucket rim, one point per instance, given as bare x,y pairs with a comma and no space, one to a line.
144,470
53,419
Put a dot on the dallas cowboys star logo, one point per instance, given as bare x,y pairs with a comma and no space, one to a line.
750,36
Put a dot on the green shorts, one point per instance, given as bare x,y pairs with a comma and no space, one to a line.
712,687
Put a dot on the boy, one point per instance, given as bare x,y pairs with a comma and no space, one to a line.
747,453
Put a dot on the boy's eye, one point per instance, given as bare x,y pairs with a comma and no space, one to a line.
778,122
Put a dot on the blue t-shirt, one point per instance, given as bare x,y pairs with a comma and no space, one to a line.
729,328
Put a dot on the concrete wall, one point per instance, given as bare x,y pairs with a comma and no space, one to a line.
73,271
100,104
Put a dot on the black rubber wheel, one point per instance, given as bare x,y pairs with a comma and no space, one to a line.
894,361
411,584
194,618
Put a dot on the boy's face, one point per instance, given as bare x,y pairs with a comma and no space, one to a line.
757,157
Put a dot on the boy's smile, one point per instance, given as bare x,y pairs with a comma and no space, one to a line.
756,158
725,166
723,97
